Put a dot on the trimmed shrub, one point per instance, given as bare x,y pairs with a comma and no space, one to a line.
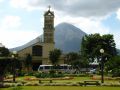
111,84
30,74
116,72
50,74
77,75
21,73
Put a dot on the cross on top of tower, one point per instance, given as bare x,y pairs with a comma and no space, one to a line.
49,7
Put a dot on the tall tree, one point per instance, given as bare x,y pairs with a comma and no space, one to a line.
113,66
109,44
4,62
28,62
54,56
4,52
91,45
71,58
76,60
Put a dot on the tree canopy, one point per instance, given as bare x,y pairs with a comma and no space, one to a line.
76,60
28,62
91,45
54,56
113,66
4,52
4,62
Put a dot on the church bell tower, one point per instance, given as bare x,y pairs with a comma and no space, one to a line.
49,26
48,34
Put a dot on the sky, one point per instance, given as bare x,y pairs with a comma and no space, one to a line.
22,20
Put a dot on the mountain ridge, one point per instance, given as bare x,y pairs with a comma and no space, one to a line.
67,38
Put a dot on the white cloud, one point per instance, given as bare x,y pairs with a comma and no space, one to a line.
76,8
16,38
10,33
1,1
24,4
19,3
118,14
84,8
88,25
92,26
10,22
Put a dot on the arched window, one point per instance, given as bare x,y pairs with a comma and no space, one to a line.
37,50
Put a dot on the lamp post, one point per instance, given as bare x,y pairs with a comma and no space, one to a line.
14,68
102,65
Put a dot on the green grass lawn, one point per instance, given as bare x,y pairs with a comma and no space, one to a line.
63,88
75,79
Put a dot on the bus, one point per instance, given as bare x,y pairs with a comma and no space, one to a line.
62,67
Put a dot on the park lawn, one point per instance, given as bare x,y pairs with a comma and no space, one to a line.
75,79
63,88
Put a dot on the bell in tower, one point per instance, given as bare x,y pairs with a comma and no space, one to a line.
49,26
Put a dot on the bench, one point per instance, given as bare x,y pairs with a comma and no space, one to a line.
91,83
40,80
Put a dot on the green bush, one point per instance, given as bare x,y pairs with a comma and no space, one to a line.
30,74
50,74
77,75
116,72
42,75
24,73
55,74
21,73
111,84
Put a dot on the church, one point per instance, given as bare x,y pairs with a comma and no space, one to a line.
40,48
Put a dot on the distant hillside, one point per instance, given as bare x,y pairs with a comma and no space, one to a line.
67,38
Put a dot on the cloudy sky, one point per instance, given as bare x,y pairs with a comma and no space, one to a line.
22,20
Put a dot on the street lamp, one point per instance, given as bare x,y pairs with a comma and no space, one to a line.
102,65
14,53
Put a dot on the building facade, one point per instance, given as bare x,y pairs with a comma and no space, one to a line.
41,48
